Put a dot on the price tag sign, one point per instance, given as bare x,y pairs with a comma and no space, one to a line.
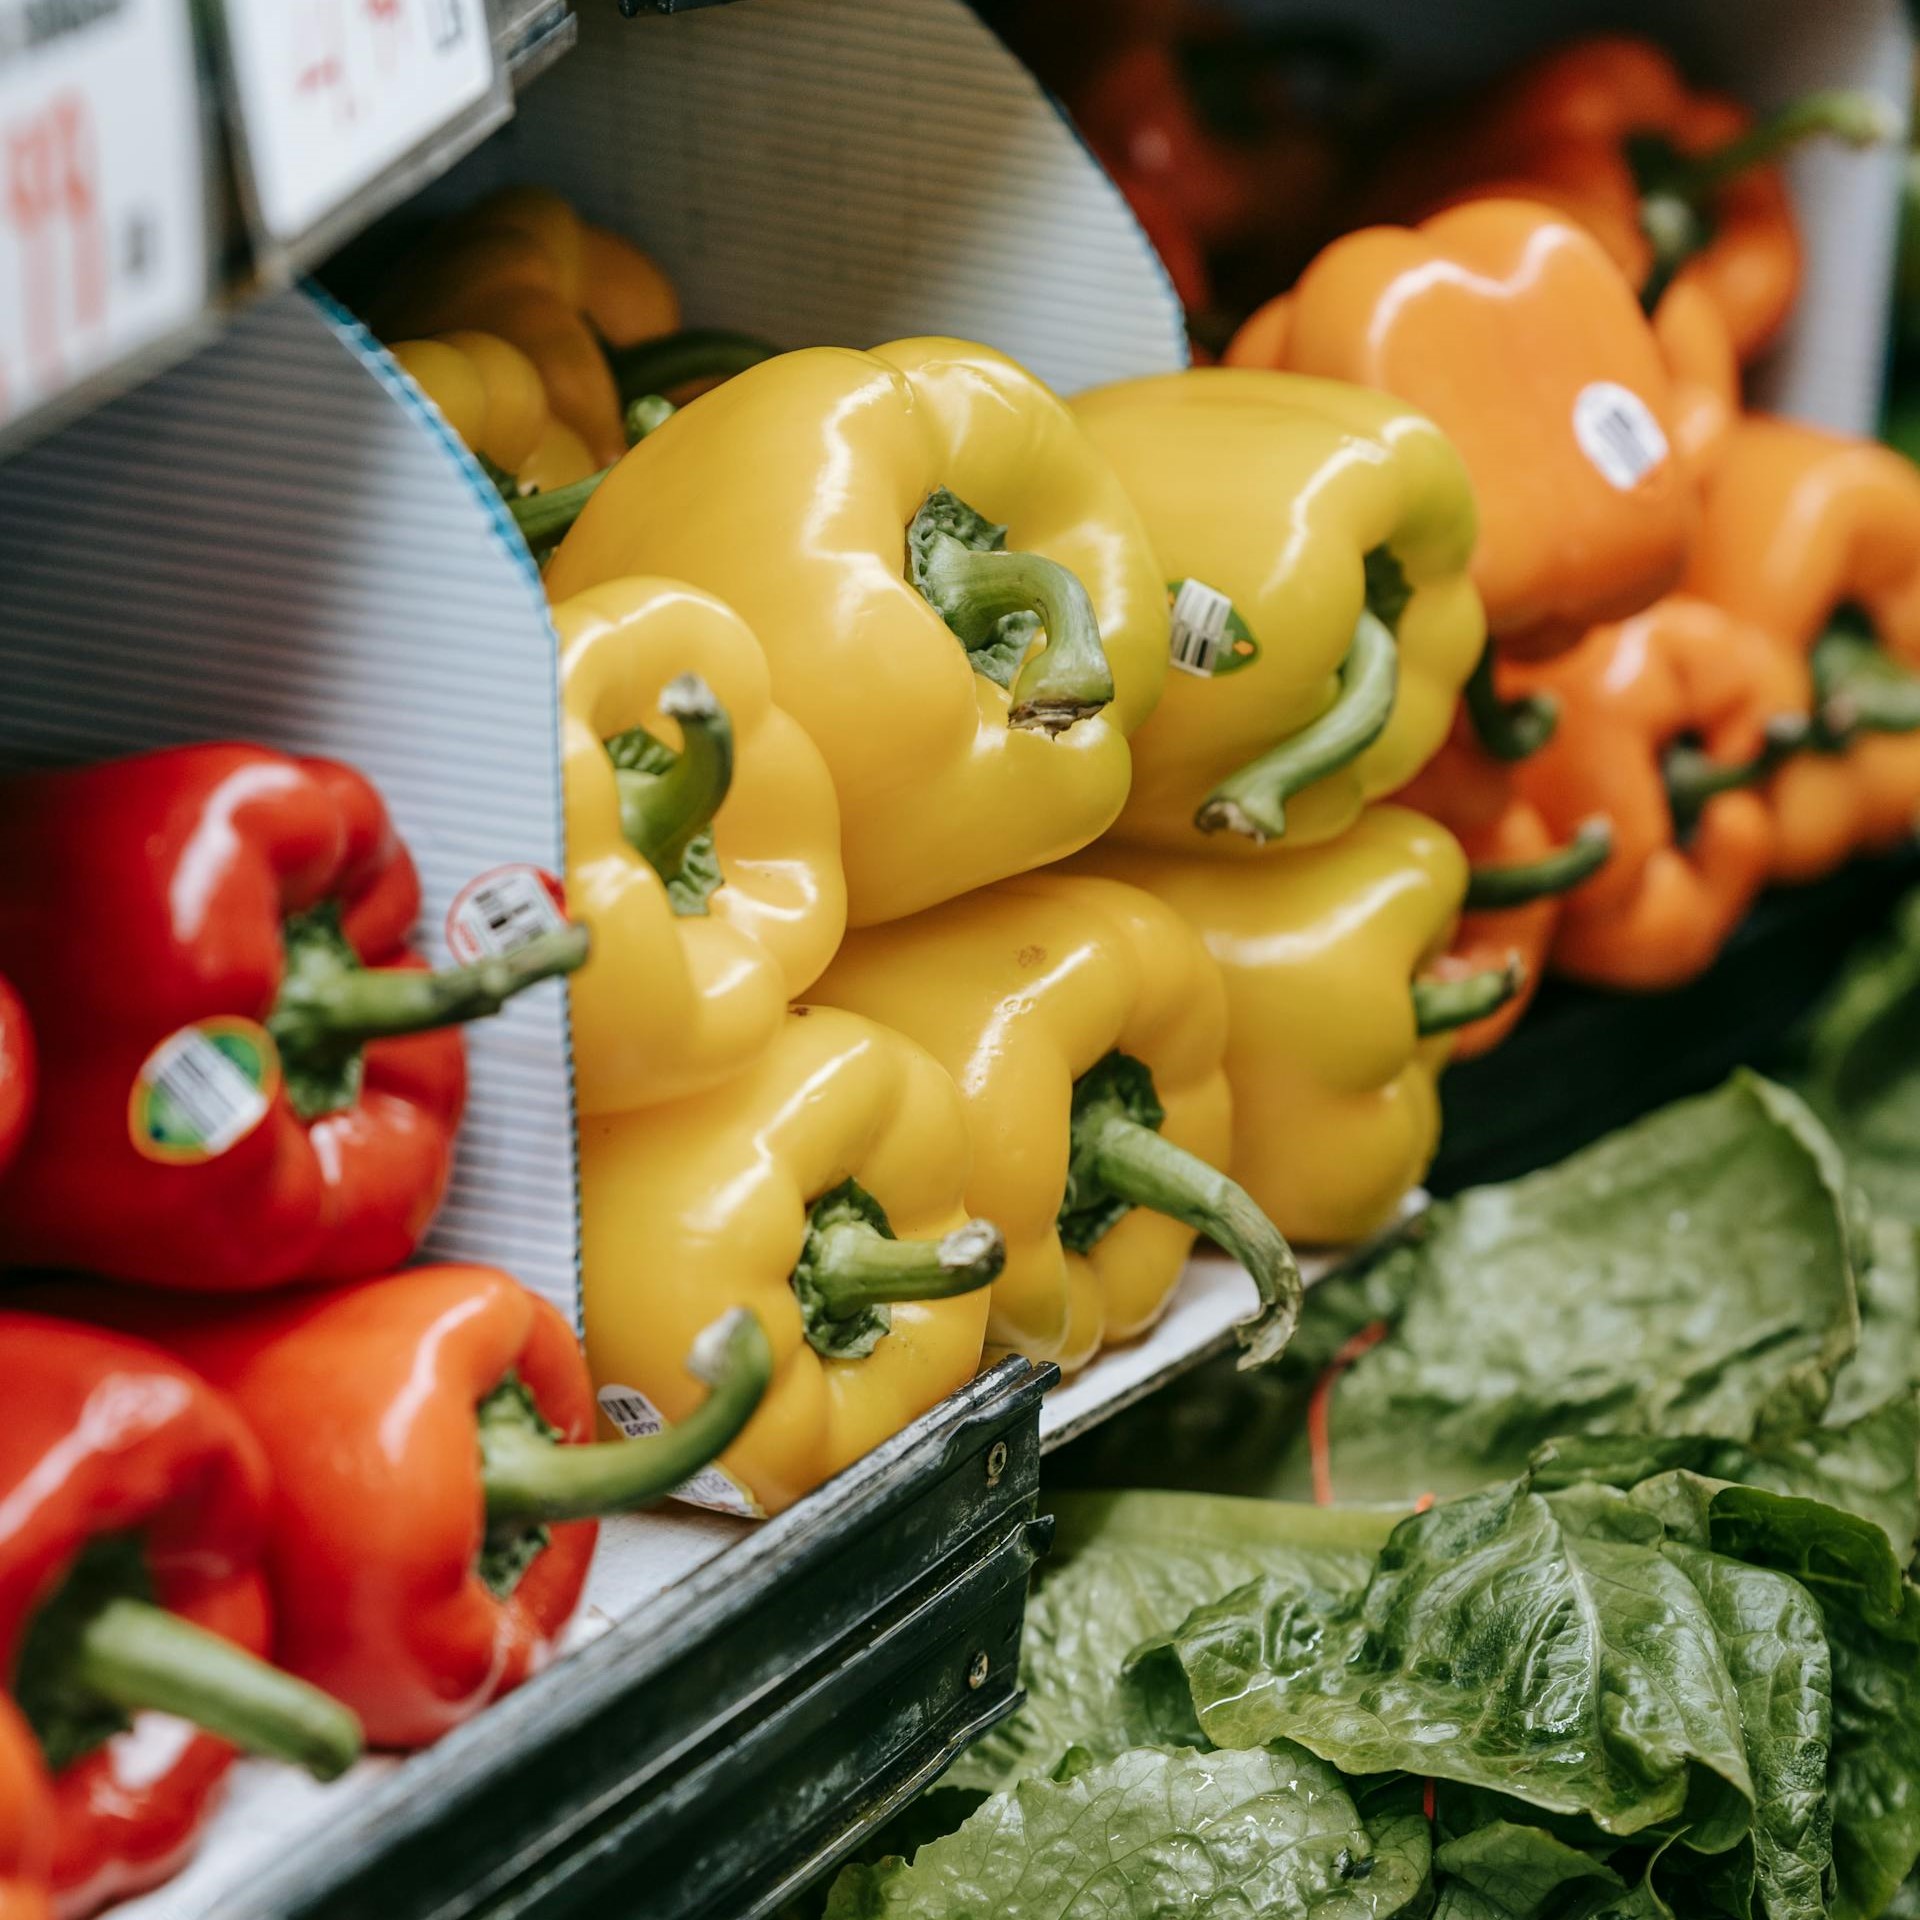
103,193
332,93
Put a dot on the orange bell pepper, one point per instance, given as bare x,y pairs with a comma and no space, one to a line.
1511,329
1518,874
1693,843
1679,186
1800,526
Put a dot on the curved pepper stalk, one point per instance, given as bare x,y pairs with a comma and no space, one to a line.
1676,189
1120,1160
695,353
1693,777
545,519
1509,730
1861,689
996,602
1253,801
852,1271
330,1005
100,1650
531,1479
668,800
1440,1005
1520,883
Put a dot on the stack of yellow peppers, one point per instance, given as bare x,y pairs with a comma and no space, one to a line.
985,808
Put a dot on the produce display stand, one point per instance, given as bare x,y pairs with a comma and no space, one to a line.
276,538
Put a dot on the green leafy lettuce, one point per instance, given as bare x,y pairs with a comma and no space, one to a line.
1863,1065
1228,1835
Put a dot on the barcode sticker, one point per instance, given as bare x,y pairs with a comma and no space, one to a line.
1197,634
503,911
638,1418
1618,433
202,1090
332,92
103,189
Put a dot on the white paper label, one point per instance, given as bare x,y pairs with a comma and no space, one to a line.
103,198
334,91
1197,633
503,911
638,1418
1618,433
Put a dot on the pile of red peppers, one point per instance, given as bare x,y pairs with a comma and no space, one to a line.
261,1489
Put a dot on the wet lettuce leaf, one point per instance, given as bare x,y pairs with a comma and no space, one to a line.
1506,1871
1862,1074
1167,1835
1125,1567
1689,1275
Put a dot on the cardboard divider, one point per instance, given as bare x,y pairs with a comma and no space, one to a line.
277,541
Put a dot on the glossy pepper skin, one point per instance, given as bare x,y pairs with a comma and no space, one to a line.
363,1400
1569,127
1681,877
947,776
26,1822
491,396
1025,993
107,1437
1509,327
146,895
522,266
1306,502
18,1073
1477,798
690,1210
1336,1110
688,982
1801,525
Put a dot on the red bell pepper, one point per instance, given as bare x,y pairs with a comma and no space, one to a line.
26,1822
429,1538
133,1505
209,941
16,1076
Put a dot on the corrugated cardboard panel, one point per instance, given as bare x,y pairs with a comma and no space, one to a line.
277,542
846,172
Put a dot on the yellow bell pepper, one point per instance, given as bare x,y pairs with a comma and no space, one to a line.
1335,1041
491,396
523,266
702,843
850,505
782,1191
1339,525
1085,1028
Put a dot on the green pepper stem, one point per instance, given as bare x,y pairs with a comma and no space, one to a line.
325,1010
855,1266
1441,1005
1694,777
1510,730
142,1658
1853,117
1862,689
697,353
647,414
531,1478
1253,801
544,518
1146,1169
662,813
1069,678
1490,889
